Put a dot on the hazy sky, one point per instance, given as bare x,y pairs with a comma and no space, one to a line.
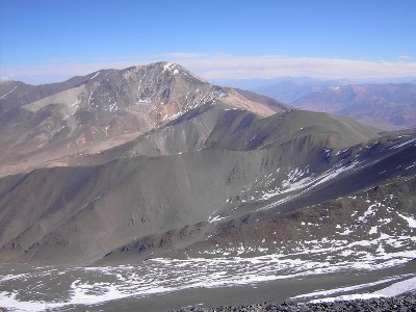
49,40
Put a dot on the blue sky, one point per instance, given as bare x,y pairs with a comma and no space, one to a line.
49,40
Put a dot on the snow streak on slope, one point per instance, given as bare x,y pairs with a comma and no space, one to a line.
296,182
295,185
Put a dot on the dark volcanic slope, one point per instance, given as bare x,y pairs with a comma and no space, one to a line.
124,199
274,213
383,105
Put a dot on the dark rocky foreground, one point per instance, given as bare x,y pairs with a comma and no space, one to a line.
399,303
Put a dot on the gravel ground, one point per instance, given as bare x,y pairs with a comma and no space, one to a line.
398,304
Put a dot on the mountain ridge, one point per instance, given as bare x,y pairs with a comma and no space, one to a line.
106,108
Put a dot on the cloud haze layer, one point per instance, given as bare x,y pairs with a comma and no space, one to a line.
225,66
229,66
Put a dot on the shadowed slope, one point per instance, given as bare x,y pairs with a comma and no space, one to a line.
80,213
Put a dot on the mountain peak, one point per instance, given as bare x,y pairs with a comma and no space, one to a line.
172,67
162,67
108,107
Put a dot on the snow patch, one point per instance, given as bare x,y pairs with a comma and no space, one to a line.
95,76
371,211
398,288
217,218
76,103
411,166
169,66
3,96
400,145
342,289
113,107
373,230
411,221
347,231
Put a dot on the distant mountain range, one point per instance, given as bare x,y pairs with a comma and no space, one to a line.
289,89
382,105
122,166
385,103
